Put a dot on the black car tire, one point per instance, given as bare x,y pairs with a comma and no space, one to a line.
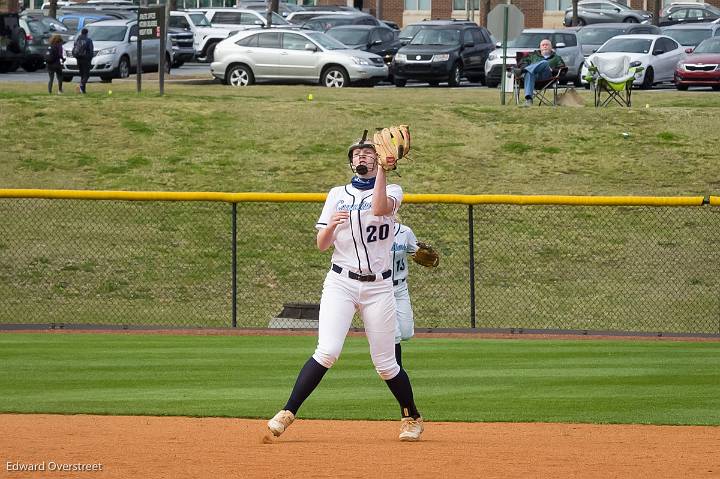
681,87
210,52
30,66
455,75
67,78
239,76
492,83
123,69
335,77
104,79
648,80
400,82
434,83
630,20
168,64
578,78
716,87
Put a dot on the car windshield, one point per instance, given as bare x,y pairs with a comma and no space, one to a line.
101,33
409,31
711,45
528,40
688,37
326,41
436,36
349,36
597,36
200,20
626,45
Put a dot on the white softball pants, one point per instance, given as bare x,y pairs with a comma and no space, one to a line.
375,301
405,327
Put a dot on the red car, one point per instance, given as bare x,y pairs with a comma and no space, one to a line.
701,67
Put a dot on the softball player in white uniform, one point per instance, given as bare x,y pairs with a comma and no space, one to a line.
405,244
358,221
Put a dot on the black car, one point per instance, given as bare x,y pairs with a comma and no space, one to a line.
443,53
701,12
378,40
324,23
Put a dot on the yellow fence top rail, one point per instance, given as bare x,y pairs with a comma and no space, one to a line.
319,197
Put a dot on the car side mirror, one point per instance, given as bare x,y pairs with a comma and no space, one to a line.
560,45
258,22
617,10
498,45
133,38
595,50
658,52
311,47
635,64
376,42
52,28
688,50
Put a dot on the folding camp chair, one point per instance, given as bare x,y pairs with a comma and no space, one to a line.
612,79
545,91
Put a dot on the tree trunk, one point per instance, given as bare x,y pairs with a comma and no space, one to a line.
657,6
574,13
486,11
52,11
274,7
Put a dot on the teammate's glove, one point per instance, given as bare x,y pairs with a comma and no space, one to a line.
393,141
426,255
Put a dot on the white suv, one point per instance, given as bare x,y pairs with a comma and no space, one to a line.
115,51
239,18
205,36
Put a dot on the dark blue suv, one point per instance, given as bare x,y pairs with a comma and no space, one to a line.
445,52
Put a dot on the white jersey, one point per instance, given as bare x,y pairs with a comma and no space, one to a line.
405,243
362,243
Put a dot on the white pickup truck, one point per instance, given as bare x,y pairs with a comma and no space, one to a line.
205,36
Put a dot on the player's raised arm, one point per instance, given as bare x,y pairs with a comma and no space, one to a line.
382,204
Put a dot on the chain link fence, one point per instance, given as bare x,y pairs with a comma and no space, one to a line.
170,264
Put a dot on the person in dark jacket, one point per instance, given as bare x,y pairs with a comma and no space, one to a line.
83,52
55,59
539,65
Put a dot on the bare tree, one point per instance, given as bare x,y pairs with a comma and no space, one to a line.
52,11
574,13
486,11
657,6
173,5
274,7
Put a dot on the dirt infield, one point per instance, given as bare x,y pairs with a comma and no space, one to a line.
179,447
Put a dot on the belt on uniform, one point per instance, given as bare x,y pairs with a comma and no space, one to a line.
398,281
360,277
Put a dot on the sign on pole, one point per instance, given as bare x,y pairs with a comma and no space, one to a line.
151,26
506,22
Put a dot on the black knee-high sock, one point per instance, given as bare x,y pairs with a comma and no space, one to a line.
307,380
402,390
398,354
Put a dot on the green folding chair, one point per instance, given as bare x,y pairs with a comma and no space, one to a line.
612,78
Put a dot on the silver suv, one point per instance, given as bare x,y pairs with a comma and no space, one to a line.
115,53
565,42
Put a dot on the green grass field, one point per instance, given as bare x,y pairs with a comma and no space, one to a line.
598,381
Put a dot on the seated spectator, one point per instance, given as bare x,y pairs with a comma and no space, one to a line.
538,66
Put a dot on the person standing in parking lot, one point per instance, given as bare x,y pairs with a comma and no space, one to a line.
55,58
83,53
539,66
